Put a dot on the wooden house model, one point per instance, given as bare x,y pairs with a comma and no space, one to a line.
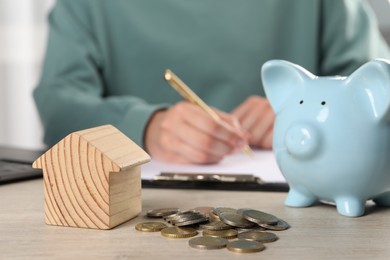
92,179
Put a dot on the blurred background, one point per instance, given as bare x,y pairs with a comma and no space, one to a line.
23,32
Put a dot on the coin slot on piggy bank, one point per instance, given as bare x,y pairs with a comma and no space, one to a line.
332,134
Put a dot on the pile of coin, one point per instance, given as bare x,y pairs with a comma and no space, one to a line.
239,230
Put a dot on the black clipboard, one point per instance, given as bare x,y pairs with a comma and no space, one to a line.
212,181
237,186
15,164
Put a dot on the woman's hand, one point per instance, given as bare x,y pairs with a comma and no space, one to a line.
256,117
184,133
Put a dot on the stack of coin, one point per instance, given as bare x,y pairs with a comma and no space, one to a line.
265,220
186,218
216,212
235,220
245,227
216,225
160,213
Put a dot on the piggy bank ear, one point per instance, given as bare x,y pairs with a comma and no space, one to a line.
370,85
281,79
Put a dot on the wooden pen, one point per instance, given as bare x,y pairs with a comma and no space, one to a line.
190,96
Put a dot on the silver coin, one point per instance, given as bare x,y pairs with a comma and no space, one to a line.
235,220
242,210
260,217
191,222
167,217
208,242
186,217
279,226
219,210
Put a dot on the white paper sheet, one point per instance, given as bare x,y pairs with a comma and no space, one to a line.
262,165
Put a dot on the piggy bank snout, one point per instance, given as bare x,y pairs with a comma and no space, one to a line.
302,140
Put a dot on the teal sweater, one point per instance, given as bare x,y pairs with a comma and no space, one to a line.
105,58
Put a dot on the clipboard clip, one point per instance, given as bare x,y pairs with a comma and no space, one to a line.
207,177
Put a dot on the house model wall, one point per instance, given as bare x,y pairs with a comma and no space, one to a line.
92,179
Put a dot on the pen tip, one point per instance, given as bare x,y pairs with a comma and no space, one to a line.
167,75
248,151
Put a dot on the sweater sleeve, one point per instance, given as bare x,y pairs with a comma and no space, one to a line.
350,37
72,93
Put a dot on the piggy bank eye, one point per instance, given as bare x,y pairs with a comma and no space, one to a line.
323,103
301,102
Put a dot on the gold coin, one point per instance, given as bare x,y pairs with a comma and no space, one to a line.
259,236
150,226
178,232
228,234
245,246
208,242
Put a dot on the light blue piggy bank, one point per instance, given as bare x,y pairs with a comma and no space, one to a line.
332,134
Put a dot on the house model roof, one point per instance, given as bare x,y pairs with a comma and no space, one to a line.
106,140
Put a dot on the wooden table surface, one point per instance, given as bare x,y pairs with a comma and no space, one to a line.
317,232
